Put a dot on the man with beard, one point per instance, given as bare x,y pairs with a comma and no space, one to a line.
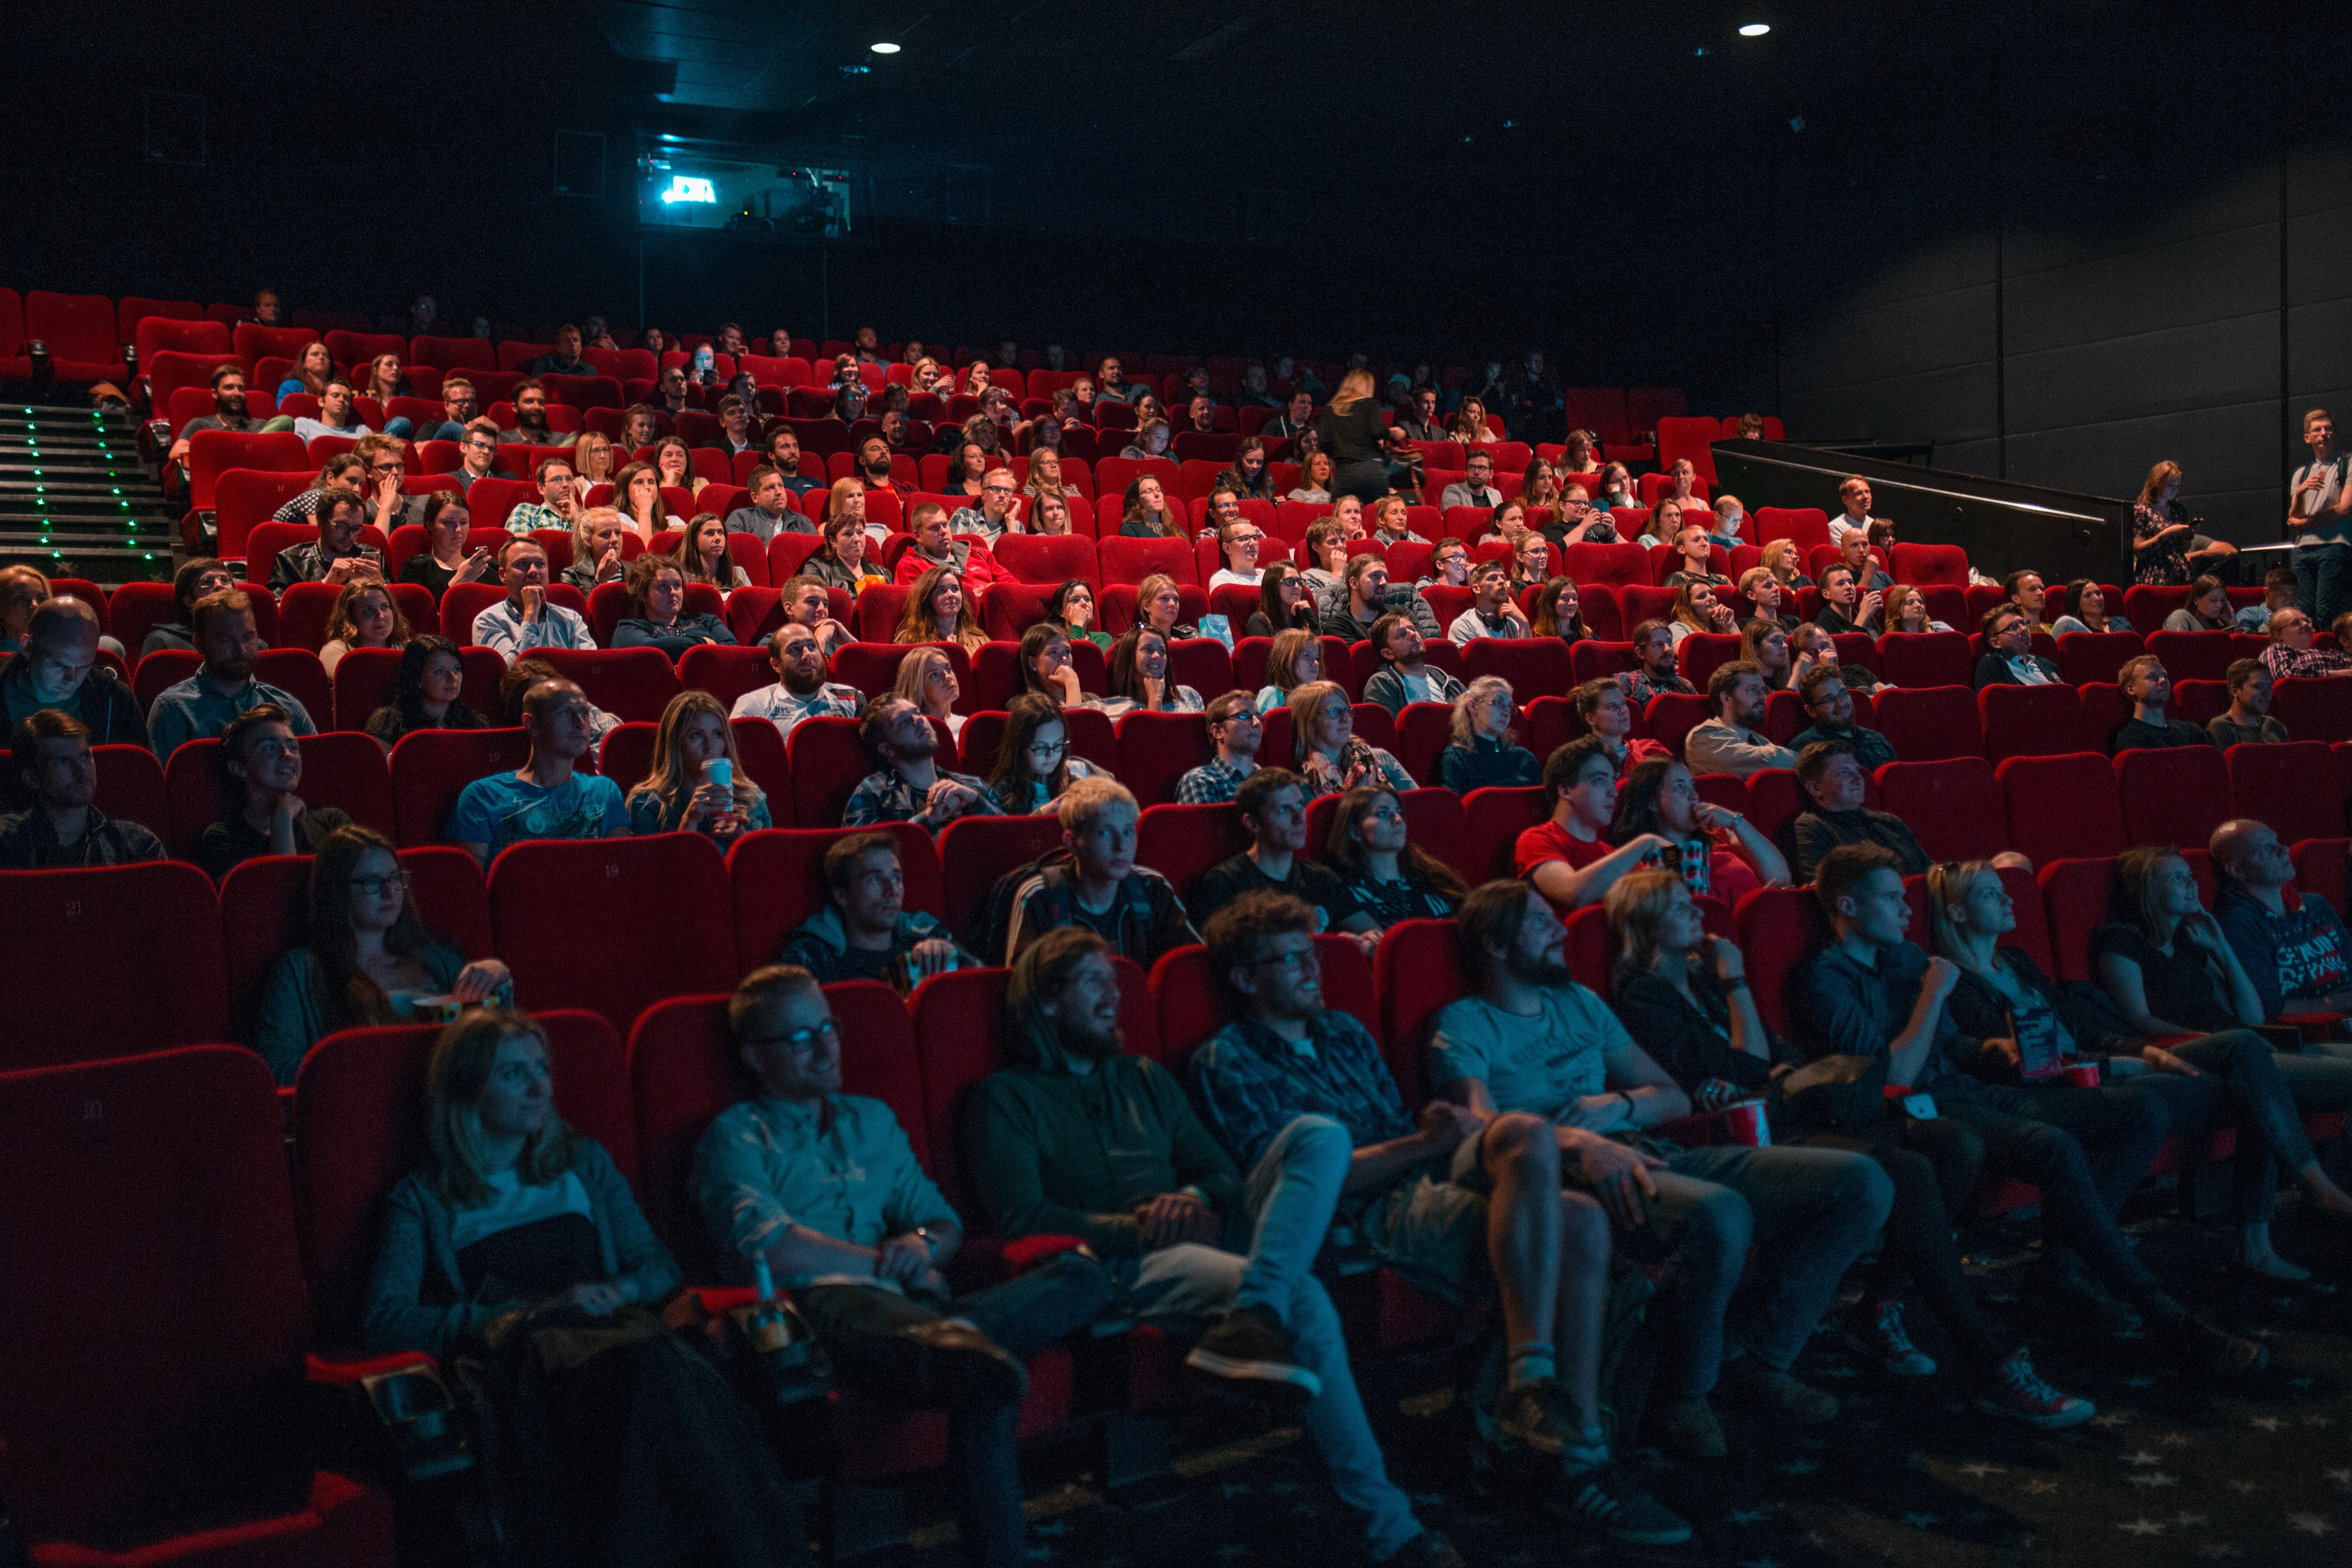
228,411
801,690
335,416
336,556
1732,741
785,457
669,391
530,426
565,359
224,687
908,786
874,468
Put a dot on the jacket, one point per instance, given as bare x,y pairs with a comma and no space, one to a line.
104,702
309,561
293,1016
1146,918
1386,686
819,944
1716,747
1993,669
1486,762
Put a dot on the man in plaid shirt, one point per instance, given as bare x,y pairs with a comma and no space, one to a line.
908,786
1235,725
2293,649
1416,1196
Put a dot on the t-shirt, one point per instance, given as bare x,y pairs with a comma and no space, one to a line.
2138,734
503,809
1550,841
1222,883
1543,1064
2182,987
233,840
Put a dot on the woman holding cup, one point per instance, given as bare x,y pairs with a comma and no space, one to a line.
696,783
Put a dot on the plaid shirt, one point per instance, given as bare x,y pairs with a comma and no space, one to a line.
1211,784
887,797
2283,662
1250,1083
533,514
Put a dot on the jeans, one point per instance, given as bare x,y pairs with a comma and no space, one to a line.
400,427
2323,580
1022,1315
1285,1214
2020,1143
2262,1092
2121,1130
1808,1212
447,430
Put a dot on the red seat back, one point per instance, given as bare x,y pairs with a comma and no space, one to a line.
2176,794
111,958
430,768
777,878
634,683
1924,658
2312,708
340,769
538,889
2033,722
2275,786
2075,895
1194,1002
2060,806
1928,723
1180,842
1155,750
2089,658
1416,970
1951,806
1493,819
1777,927
1931,566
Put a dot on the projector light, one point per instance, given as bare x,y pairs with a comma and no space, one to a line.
886,49
686,188
1755,29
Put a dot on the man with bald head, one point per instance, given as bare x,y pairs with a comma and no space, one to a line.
58,668
2291,944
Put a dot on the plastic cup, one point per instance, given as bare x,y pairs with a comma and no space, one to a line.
1746,1123
2083,1073
721,771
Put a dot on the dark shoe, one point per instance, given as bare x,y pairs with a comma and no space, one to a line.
1427,1550
1752,1382
1885,1341
2199,1345
2062,1280
957,1367
1608,1501
1531,1418
2017,1393
1687,1429
1249,1343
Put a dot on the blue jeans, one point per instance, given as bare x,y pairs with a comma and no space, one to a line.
2323,580
1285,1214
2264,1094
2073,1207
1808,1212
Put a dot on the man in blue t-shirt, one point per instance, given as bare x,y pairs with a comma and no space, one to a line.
2291,944
546,798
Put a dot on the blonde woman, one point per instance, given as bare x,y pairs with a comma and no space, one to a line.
1325,750
1349,429
927,679
682,791
1045,475
939,610
1785,559
1482,750
591,458
365,616
596,554
1295,660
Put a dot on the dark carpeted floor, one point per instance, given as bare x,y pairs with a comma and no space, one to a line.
2172,1470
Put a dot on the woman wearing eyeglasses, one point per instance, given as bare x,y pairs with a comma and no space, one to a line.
1034,764
371,958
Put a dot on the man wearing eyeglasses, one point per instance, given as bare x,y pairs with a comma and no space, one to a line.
999,509
477,456
381,487
824,1189
457,411
1240,538
865,931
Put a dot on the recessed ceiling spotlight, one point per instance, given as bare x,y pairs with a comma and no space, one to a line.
886,49
1755,29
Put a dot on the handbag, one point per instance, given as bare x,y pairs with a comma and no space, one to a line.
1842,1093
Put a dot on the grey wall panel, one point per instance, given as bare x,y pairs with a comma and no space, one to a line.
2221,450
2208,278
2320,256
1905,337
2319,346
2172,371
1954,403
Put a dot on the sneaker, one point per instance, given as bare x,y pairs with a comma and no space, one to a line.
2018,1392
1250,1344
2201,1346
1687,1429
1752,1380
2062,1279
1608,1499
1529,1416
1888,1343
1428,1550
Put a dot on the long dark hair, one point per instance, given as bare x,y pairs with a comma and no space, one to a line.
1344,855
1126,677
1024,716
1637,801
351,996
1057,607
404,706
1269,601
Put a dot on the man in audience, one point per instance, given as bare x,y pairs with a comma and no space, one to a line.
1853,493
729,340
58,667
669,392
1475,486
2024,593
991,517
477,456
559,504
2149,691
335,416
457,411
1254,393
526,618
808,602
2291,945
737,433
1100,887
51,755
906,785
547,797
1832,777
1078,1138
1733,739
801,690
1730,515
1235,729
1361,601
1830,705
1655,670
2278,593
1694,558
2248,718
1494,614
267,310
1297,419
784,460
565,359
874,463
1422,424
1845,606
337,556
865,931
934,547
771,512
1327,545
531,426
388,504
1200,416
224,687
1273,805
1449,565
824,1189
228,412
1868,576
1405,675
1871,992
1529,1039
2009,658
2294,648
1416,1192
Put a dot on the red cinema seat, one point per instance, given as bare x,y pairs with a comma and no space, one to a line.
1931,566
245,500
1180,842
2191,656
725,672
827,761
1928,725
112,959
2093,659
2312,708
2296,789
2075,894
1910,660
431,768
1625,565
1130,561
1774,800
2033,722
1493,819
2061,806
1047,559
1536,667
1700,654
1417,970
1808,525
634,683
539,889
79,331
2176,794
1951,806
778,881
1673,715
877,613
1777,927
151,1384
212,453
1591,660
873,667
1433,821
1155,750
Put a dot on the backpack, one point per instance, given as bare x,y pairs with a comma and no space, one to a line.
992,926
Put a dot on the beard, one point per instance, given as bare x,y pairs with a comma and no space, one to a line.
804,685
915,750
232,404
531,418
1091,1046
1545,969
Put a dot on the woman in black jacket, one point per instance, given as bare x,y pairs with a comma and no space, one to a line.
1352,432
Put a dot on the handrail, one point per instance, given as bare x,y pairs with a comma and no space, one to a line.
1748,452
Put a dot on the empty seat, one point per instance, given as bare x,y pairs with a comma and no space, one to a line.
1493,819
2296,789
2033,722
110,960
431,768
1952,806
2312,708
2191,656
2075,894
1155,750
1180,842
79,331
1777,927
2061,806
1928,723
542,896
1931,566
2086,658
1672,715
1911,659
2176,794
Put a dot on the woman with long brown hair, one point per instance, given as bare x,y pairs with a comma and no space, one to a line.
684,790
366,615
939,610
702,554
1034,764
1137,679
1389,876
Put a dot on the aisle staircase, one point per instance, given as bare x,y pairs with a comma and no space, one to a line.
74,499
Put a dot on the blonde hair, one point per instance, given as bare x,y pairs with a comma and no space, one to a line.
454,1079
585,527
594,441
835,498
1780,550
343,623
915,668
1354,387
1636,911
1085,801
1303,703
1282,659
666,776
1479,691
1949,884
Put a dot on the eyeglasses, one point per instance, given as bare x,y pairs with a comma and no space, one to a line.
800,1042
376,886
1048,748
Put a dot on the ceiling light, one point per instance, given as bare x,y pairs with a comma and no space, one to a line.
1755,29
886,49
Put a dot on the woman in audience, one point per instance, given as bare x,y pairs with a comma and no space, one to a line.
368,957
702,555
1766,597
1148,407
1809,647
1240,539
1609,713
1160,607
1047,668
1326,751
1576,455
1696,609
1906,611
200,577
2085,605
674,462
308,371
1390,518
514,1212
845,498
2168,970
927,679
1389,876
1137,679
1044,476
1540,487
424,693
1043,433
591,457
1146,513
445,559
678,793
840,561
1034,764
385,381
1617,489
637,497
1352,430
2161,528
344,471
975,379
1072,608
1507,522
365,616
1484,748
596,554
927,377
968,464
1296,659
1766,645
1251,481
2208,609
1665,522
260,763
1785,559
938,610
1286,601
659,617
1558,612
1684,998
1530,562
1722,852
1470,423
1049,515
1151,439
1314,480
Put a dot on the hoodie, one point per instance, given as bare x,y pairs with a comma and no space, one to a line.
821,946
